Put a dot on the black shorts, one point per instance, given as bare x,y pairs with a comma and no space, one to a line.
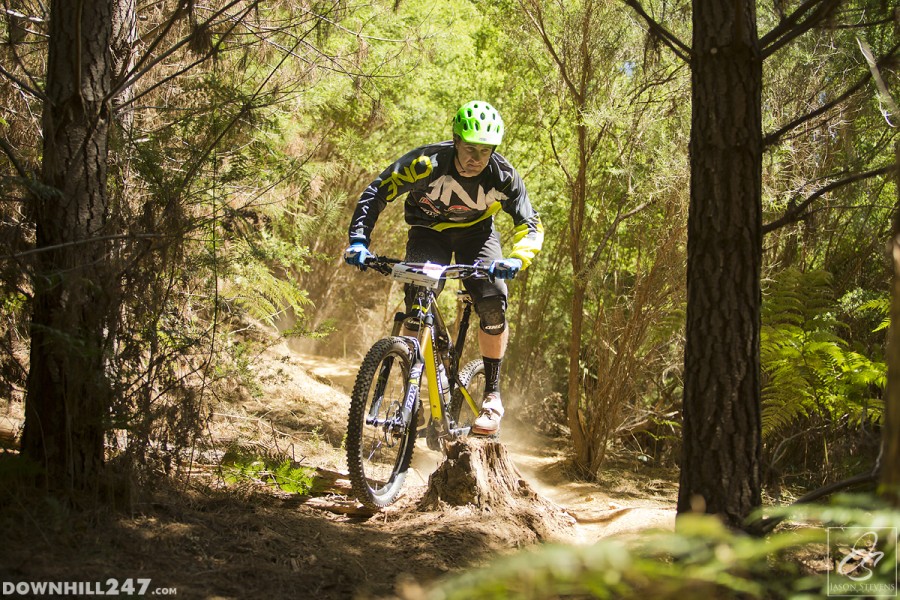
466,245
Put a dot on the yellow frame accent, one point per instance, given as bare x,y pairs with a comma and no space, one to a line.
469,400
426,334
434,392
490,212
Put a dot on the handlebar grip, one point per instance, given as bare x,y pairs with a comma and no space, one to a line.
380,263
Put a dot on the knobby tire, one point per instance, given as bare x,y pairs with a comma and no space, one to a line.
378,457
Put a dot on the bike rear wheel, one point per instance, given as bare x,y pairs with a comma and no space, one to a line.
379,442
472,378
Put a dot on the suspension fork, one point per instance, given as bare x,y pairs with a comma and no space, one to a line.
385,370
421,347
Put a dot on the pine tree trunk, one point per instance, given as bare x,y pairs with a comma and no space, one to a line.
720,469
67,396
890,467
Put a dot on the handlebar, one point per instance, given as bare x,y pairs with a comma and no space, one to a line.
426,274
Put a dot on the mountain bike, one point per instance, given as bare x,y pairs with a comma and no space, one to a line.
386,411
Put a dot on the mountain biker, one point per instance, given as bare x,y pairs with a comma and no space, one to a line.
453,190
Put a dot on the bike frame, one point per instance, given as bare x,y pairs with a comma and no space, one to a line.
431,325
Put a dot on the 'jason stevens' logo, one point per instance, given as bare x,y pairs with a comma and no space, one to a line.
856,557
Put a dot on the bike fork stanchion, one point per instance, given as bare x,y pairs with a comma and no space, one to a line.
414,383
378,396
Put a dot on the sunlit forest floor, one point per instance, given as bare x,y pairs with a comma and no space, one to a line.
207,536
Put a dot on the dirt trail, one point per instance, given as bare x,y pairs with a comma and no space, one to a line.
218,540
599,511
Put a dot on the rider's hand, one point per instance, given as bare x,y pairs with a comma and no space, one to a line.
356,255
505,268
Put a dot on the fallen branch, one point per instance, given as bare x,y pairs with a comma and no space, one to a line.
338,506
765,525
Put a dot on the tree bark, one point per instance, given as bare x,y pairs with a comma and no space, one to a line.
67,395
890,454
479,472
720,471
15,25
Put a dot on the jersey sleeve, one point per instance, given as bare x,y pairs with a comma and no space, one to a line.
528,232
406,174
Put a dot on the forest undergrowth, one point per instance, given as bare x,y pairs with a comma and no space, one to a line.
262,510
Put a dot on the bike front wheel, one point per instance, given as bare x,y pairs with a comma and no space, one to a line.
380,441
472,378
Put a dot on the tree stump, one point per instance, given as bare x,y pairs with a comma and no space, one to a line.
479,472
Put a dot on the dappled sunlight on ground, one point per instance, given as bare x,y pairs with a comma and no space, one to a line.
215,539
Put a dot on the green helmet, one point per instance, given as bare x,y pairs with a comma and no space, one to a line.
478,123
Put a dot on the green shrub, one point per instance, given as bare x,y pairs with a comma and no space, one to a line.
239,466
809,369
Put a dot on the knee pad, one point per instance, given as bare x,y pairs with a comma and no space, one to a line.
492,314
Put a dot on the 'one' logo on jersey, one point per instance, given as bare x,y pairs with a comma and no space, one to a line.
418,169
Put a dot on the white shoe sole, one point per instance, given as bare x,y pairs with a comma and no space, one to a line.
484,432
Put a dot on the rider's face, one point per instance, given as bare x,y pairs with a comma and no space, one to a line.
471,159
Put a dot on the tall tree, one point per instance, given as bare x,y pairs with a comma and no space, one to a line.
197,161
721,411
74,297
720,469
722,439
587,78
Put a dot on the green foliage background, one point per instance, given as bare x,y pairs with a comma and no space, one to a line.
238,158
235,181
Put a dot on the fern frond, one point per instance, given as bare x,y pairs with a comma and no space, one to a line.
253,286
808,367
782,408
